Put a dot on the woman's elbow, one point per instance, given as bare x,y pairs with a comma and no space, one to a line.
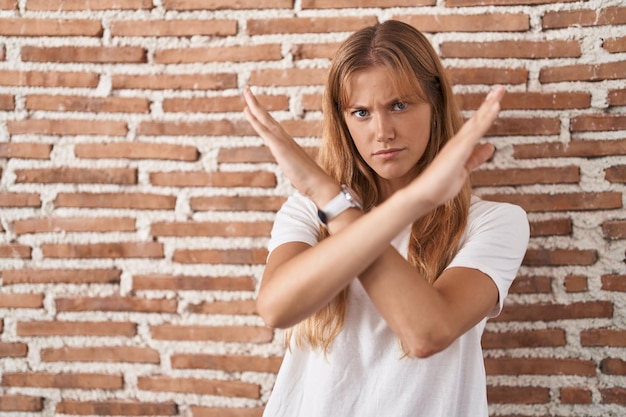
426,344
269,313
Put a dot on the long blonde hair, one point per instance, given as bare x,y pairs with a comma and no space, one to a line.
414,66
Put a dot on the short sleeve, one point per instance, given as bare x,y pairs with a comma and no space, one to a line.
296,221
495,243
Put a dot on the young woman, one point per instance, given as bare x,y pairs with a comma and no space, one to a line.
383,265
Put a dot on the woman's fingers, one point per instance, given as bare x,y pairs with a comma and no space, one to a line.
480,155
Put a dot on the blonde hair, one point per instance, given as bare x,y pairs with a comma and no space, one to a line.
415,67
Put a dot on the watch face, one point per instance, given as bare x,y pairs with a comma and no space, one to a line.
351,195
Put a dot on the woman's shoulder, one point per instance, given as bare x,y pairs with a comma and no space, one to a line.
488,214
480,207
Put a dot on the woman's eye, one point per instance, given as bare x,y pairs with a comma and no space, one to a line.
400,106
360,113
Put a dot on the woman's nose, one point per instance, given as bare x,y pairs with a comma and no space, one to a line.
384,128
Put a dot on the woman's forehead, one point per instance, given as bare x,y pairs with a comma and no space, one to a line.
398,83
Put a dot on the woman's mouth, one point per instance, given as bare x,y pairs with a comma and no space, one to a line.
388,153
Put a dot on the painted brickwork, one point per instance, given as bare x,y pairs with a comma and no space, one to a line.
136,202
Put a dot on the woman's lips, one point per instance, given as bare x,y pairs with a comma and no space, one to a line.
388,153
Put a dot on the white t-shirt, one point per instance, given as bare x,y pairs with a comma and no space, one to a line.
365,373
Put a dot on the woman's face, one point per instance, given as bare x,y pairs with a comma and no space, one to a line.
389,131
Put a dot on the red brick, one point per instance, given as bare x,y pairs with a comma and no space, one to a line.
79,5
12,350
60,276
560,257
349,4
116,303
524,339
114,354
199,386
67,127
226,4
511,49
136,201
7,102
615,45
236,307
539,366
215,256
517,395
25,150
553,312
288,77
28,300
85,54
531,285
598,123
576,283
225,229
603,337
487,22
175,28
48,79
87,104
222,104
583,72
616,395
486,75
463,3
227,363
63,380
111,250
15,250
120,176
205,128
236,203
117,407
20,403
308,25
529,100
524,127
613,366
49,27
192,283
213,179
551,227
248,334
574,148
8,5
561,202
244,53
247,154
538,175
575,395
76,328
614,282
584,17
197,411
617,97
137,150
74,224
19,200
615,229
616,174
314,50
174,81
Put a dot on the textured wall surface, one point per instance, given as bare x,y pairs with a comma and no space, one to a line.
136,202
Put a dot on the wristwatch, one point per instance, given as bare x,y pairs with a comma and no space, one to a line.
346,199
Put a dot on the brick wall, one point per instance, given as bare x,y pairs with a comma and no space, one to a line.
136,201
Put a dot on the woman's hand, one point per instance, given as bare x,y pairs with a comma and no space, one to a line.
303,172
445,176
